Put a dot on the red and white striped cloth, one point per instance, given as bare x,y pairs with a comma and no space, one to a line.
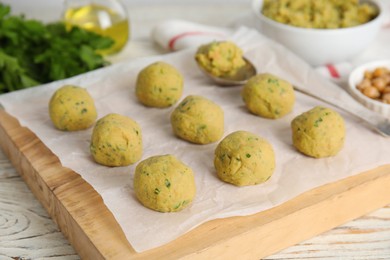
175,35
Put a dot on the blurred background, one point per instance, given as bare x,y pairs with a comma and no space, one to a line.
51,10
144,15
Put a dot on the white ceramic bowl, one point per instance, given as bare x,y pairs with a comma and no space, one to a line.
356,77
320,46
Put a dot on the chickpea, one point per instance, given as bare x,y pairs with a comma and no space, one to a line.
368,74
386,90
379,71
386,78
371,92
386,98
364,84
379,83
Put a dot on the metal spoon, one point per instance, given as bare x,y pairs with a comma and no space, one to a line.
377,123
239,78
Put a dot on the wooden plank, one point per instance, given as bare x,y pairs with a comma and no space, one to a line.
26,230
73,204
83,218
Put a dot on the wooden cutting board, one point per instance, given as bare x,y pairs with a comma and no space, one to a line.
91,228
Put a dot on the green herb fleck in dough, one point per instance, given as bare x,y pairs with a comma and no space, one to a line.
319,120
178,205
167,183
273,81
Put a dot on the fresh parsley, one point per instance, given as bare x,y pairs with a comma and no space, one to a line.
33,53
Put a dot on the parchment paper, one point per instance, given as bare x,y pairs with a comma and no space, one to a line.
113,91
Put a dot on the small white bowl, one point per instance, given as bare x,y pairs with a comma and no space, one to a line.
320,46
356,76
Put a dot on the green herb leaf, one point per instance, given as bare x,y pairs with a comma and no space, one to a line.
167,183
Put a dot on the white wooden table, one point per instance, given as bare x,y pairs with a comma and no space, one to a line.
26,230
